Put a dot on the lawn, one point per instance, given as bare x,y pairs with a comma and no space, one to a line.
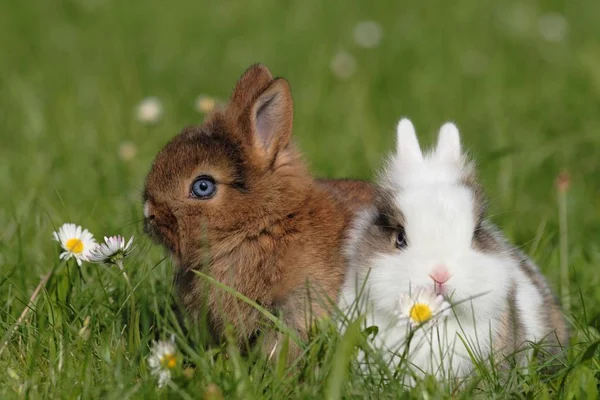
521,79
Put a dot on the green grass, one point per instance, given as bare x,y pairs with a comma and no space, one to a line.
72,73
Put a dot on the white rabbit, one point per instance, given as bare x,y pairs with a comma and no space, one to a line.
427,229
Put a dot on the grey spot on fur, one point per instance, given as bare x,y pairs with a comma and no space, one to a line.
511,334
488,238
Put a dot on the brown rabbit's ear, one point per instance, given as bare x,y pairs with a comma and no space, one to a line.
272,117
251,84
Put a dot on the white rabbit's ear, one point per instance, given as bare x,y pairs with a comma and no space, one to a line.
448,145
407,145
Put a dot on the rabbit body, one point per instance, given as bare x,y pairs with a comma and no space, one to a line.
427,228
233,198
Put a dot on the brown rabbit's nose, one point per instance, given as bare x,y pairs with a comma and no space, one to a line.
148,210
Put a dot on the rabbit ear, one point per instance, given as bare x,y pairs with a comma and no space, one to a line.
254,80
271,118
407,145
448,145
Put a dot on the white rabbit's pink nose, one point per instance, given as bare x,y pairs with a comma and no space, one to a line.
440,274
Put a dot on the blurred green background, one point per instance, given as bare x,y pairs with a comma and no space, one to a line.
521,79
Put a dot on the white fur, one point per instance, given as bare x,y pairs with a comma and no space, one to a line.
409,167
529,300
448,146
147,209
407,145
439,224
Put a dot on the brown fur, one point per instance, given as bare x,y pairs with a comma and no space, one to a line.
271,232
354,194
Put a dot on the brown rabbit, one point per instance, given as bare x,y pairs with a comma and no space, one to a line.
234,199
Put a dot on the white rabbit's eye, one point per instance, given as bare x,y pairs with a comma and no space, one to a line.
204,187
401,239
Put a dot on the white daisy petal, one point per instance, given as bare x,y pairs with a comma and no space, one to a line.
422,306
75,241
129,243
162,360
113,251
163,378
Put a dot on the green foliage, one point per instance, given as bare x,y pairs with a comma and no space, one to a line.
73,71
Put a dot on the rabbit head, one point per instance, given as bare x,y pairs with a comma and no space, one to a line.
234,174
425,230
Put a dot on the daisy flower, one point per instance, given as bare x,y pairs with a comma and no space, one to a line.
163,360
149,110
113,251
75,241
421,306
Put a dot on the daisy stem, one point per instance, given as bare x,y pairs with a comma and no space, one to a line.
120,265
132,312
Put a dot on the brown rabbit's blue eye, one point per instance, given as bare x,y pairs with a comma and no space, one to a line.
401,239
204,187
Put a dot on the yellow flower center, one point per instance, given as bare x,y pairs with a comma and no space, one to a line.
420,312
74,245
169,361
